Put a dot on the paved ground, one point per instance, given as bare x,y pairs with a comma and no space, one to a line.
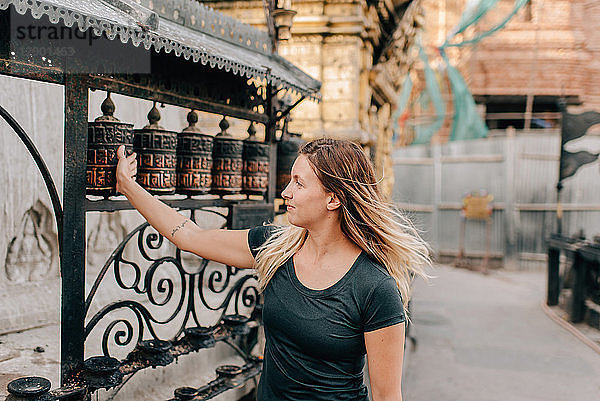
480,338
487,338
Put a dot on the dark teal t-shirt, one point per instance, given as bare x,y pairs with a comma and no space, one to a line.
315,347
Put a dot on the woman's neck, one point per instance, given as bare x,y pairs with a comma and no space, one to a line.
328,240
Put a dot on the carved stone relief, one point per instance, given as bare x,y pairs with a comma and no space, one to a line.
33,253
103,238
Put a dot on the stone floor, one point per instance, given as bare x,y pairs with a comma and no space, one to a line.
487,338
480,338
33,352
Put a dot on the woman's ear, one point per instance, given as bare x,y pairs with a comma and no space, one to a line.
333,202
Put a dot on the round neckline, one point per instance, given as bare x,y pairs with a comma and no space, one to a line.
326,291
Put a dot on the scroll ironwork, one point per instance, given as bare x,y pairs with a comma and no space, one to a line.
186,292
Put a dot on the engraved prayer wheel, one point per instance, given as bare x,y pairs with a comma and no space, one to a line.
255,173
287,151
194,159
105,134
156,150
227,162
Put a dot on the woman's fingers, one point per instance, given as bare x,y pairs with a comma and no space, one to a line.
121,152
126,167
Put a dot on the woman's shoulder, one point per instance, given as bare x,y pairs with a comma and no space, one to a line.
369,274
371,269
258,235
378,296
265,229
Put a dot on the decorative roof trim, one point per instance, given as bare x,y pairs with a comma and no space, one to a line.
142,35
201,18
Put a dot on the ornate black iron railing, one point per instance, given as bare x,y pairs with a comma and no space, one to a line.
236,324
238,309
41,165
188,293
174,82
194,289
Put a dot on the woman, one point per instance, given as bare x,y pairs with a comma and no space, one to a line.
335,281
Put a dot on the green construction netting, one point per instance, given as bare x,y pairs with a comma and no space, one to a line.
474,11
432,93
518,5
466,124
402,102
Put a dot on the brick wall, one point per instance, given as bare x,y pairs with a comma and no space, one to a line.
550,48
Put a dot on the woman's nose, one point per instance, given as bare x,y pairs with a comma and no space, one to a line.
286,193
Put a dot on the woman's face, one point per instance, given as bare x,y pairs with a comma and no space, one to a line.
305,196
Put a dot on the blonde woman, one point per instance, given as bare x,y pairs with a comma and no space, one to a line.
335,281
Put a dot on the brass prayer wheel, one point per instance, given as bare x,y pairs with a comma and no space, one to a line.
227,162
156,150
194,159
105,134
255,173
287,151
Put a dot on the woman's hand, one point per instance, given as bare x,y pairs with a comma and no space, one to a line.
126,169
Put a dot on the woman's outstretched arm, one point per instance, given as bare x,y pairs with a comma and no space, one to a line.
385,352
224,246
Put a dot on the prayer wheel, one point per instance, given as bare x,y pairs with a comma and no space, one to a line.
227,162
255,174
287,151
105,134
156,150
194,159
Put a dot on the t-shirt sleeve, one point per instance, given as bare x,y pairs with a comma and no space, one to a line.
384,306
257,236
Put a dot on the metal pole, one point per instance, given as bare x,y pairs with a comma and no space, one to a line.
461,243
511,214
553,276
72,260
436,151
531,87
270,129
488,243
578,297
559,209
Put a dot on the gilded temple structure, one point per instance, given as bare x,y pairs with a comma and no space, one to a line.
359,51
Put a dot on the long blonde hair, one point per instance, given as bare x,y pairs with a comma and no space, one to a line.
373,224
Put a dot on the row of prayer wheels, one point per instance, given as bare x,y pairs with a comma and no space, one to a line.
186,162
